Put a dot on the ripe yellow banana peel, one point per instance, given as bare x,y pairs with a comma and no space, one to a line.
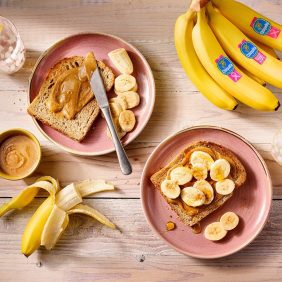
26,196
31,238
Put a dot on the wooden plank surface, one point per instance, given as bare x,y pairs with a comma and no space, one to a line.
89,251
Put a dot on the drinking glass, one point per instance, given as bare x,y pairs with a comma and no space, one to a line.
276,149
12,51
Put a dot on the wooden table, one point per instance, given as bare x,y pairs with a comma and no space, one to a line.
88,250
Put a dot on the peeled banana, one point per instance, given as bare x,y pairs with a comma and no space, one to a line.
221,68
192,66
68,197
121,60
252,23
244,51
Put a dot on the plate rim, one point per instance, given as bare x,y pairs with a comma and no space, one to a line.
269,187
61,41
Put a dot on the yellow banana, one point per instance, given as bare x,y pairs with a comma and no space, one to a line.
252,76
221,68
192,66
244,51
31,238
252,23
270,51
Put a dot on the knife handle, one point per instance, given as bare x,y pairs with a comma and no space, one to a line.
124,163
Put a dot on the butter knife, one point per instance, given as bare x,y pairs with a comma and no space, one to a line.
98,89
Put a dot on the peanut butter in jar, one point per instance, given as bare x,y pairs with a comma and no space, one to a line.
19,156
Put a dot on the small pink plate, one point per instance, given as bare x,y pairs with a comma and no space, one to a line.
251,202
96,142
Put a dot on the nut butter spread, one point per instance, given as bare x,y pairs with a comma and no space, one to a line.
71,91
18,155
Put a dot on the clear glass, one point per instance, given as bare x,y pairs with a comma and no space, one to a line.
276,149
12,51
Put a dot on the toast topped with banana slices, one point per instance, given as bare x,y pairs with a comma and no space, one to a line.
199,180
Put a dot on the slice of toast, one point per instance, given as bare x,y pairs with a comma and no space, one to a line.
78,127
189,215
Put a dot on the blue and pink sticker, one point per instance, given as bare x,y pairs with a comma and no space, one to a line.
227,68
264,27
250,50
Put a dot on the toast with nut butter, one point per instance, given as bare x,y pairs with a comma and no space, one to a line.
199,180
66,103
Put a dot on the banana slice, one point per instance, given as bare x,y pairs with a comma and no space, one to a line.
200,171
116,109
121,101
193,197
132,98
200,157
125,82
121,60
181,175
127,120
215,231
134,89
225,187
206,188
220,169
229,220
170,189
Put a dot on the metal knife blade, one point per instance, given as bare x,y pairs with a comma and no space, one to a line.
98,88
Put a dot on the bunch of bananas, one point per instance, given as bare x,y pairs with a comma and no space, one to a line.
226,49
50,220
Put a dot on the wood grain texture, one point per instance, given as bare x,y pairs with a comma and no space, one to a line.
89,251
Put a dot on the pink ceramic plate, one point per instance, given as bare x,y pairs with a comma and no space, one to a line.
251,202
96,142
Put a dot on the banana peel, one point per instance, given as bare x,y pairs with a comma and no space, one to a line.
26,196
89,187
31,238
84,209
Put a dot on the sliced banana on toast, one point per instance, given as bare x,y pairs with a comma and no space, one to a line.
121,60
220,169
125,82
229,220
193,197
215,231
206,188
200,171
170,189
181,175
200,157
225,187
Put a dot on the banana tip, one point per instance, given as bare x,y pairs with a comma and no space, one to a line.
235,108
278,106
